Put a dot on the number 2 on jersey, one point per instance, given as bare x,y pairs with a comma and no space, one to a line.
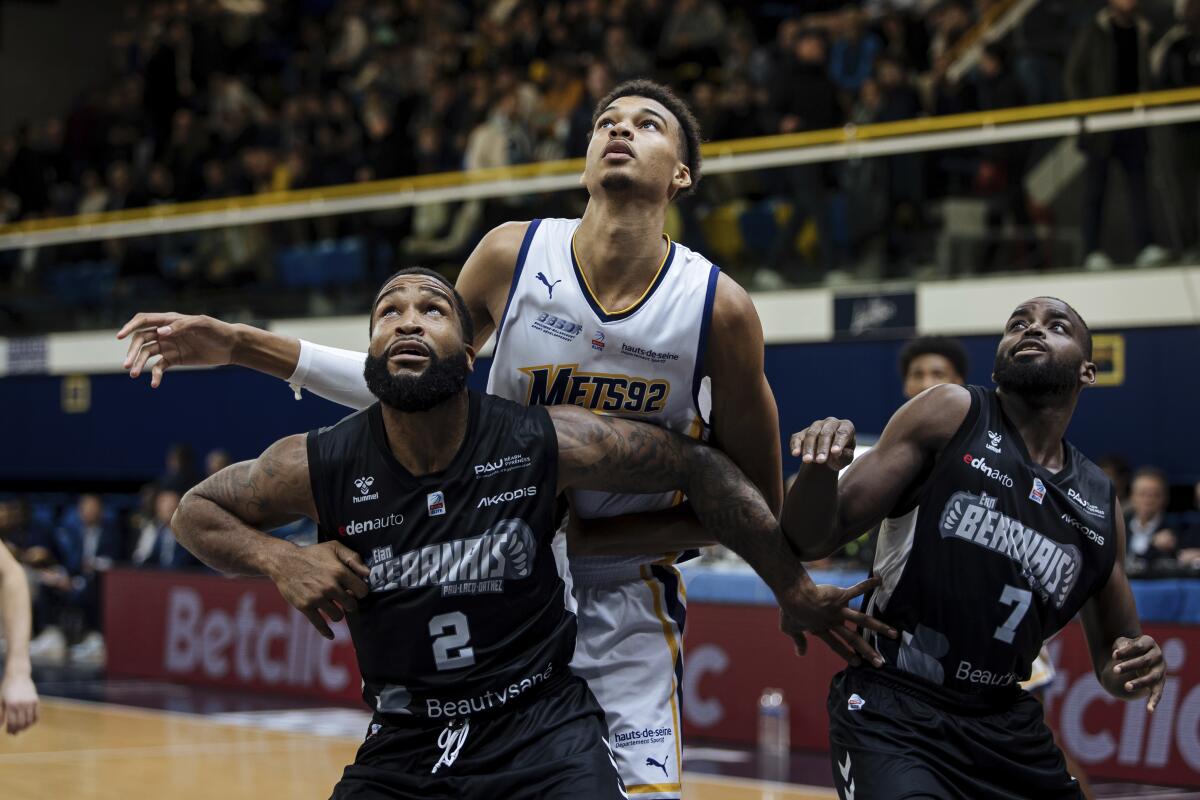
1021,599
450,632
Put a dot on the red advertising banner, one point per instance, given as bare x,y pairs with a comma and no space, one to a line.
733,652
237,633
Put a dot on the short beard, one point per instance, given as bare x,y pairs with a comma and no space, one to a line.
617,182
442,379
1040,379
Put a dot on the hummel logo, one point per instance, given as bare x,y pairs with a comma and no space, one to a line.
848,793
364,486
549,286
650,762
994,444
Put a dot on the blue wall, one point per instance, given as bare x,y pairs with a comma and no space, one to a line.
1151,419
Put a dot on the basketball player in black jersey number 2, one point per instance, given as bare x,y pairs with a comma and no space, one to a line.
995,532
436,511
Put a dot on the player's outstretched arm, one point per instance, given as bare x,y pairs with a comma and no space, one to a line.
821,513
1127,663
617,455
221,522
182,340
18,696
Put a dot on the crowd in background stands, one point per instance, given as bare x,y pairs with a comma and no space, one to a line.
211,98
67,543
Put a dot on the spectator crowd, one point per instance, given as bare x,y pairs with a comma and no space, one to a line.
67,543
207,99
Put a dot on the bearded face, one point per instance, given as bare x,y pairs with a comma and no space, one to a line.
442,379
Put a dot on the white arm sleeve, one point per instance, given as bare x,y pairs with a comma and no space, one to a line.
332,373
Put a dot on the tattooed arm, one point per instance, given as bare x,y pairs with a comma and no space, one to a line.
616,455
221,522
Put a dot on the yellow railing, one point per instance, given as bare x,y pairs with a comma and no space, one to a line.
979,30
847,134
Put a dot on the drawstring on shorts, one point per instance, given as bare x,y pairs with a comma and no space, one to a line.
451,740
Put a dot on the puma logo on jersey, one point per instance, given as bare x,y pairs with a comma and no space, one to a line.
549,286
566,384
650,762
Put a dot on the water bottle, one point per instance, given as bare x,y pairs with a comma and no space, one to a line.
774,736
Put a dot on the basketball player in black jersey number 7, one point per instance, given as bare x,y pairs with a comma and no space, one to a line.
996,532
436,512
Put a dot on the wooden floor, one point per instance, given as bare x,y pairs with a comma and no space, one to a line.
87,751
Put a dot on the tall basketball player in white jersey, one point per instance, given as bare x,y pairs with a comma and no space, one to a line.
608,313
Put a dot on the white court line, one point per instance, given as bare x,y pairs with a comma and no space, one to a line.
205,748
142,711
716,755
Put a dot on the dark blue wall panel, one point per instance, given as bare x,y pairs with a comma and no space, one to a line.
1150,419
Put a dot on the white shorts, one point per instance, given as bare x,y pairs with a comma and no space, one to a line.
630,652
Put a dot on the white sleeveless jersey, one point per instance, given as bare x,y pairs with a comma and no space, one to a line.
556,344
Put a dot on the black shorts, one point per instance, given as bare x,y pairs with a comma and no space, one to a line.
893,736
554,745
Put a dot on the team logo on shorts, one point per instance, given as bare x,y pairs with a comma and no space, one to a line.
855,703
437,504
1038,492
364,485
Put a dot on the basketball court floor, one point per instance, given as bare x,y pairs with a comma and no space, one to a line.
117,740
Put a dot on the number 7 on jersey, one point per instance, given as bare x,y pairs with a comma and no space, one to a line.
1021,599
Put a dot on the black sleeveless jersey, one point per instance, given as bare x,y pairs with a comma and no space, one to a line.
468,609
995,557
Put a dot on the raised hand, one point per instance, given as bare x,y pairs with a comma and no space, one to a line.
829,441
179,340
1139,662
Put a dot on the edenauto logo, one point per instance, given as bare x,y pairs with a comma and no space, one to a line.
364,526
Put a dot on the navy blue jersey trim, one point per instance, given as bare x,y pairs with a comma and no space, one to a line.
710,296
603,315
512,289
677,611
